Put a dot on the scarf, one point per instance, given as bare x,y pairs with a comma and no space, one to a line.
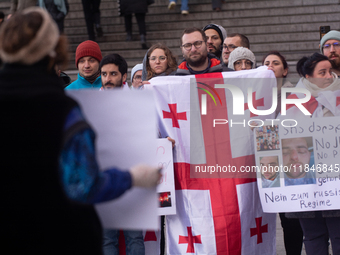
93,77
315,90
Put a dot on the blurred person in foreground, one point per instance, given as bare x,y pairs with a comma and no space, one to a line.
52,177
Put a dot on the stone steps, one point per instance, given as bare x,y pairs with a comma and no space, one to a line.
289,26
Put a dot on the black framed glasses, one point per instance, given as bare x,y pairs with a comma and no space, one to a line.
188,46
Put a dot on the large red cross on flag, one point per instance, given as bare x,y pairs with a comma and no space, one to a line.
214,215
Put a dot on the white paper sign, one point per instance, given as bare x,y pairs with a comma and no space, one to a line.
298,167
166,188
125,127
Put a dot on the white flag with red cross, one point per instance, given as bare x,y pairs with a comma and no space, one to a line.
216,214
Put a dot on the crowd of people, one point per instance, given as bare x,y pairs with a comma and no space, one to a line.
30,79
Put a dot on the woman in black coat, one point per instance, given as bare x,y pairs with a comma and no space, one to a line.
139,8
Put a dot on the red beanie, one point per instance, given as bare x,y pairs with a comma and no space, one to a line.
88,48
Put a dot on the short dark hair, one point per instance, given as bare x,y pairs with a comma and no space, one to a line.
306,65
194,29
276,53
116,59
244,39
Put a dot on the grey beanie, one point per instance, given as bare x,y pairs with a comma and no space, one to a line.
333,34
135,69
241,53
219,29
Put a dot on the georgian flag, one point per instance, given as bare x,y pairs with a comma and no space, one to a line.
214,215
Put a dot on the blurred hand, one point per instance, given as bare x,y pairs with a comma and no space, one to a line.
172,141
145,176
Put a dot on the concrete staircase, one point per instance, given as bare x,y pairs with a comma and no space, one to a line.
290,26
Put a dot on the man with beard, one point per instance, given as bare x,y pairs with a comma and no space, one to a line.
197,60
330,47
215,36
88,56
113,69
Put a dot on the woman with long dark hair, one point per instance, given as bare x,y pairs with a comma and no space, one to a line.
318,226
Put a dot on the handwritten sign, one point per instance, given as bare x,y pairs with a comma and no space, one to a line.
301,171
166,188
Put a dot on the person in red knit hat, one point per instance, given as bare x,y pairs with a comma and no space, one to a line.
88,57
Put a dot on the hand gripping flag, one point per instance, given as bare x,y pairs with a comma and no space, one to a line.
215,215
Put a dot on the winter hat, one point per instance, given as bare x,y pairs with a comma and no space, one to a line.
88,48
219,29
241,53
333,34
135,69
42,45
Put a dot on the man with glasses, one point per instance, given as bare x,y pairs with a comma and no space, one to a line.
215,36
195,52
231,43
330,47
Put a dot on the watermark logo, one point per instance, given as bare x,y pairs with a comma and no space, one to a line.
204,97
239,105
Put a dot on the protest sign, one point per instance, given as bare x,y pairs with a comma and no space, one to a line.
297,164
166,187
115,116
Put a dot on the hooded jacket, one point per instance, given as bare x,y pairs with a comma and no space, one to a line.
214,67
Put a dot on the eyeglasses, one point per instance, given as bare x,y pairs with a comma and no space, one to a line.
138,77
328,46
188,46
247,63
230,48
160,58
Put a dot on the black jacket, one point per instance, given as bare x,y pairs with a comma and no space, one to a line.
127,7
37,217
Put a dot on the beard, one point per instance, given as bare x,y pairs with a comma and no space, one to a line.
197,62
215,51
114,85
335,61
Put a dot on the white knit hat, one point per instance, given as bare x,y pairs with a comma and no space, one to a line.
40,46
241,53
135,69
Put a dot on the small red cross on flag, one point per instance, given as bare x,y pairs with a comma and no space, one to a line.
190,240
256,103
174,115
258,230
